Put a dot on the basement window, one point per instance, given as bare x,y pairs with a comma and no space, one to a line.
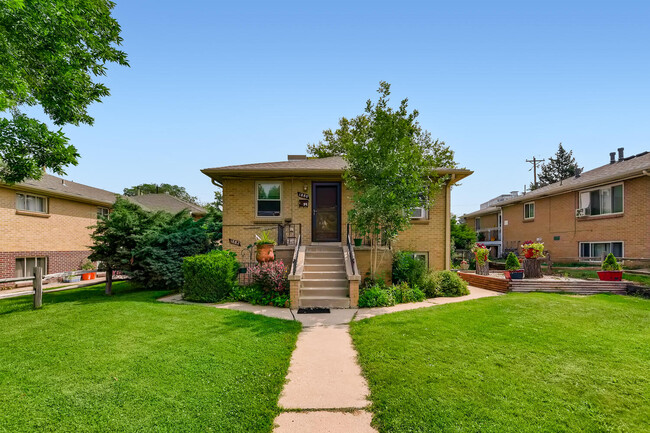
25,266
598,250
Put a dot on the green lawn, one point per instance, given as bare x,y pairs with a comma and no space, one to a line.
576,273
516,363
87,362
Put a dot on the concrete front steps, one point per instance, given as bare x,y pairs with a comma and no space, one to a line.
324,281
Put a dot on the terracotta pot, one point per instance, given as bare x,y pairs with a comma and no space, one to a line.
89,276
464,266
507,275
265,253
610,275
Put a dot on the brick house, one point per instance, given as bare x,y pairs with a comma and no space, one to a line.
305,198
46,223
603,210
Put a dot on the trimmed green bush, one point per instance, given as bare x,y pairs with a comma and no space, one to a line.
255,295
448,283
512,262
376,297
209,277
407,268
430,286
403,293
610,263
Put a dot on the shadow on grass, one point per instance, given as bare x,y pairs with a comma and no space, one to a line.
123,291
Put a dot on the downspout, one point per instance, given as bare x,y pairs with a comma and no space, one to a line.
215,183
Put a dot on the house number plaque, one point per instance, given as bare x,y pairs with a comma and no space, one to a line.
303,203
234,242
303,195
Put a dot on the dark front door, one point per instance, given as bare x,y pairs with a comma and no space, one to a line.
326,212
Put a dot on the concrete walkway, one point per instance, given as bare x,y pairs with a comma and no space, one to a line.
325,390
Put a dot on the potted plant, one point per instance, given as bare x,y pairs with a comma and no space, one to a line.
611,269
533,250
264,247
464,265
482,253
69,277
513,268
87,265
357,242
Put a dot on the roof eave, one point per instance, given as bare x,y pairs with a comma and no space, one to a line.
56,194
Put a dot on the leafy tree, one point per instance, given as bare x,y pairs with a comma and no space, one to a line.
115,238
51,51
214,218
563,166
163,188
391,162
462,236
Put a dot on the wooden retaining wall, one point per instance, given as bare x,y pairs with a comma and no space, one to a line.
587,287
485,282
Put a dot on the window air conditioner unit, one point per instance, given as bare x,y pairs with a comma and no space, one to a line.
582,212
418,213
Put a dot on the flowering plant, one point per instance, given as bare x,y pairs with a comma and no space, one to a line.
481,252
533,250
270,276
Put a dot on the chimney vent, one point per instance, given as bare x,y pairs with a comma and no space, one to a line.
296,157
63,182
620,154
612,157
514,193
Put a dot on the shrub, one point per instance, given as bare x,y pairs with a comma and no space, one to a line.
255,295
210,277
270,276
376,297
450,284
402,293
610,263
407,268
512,262
430,286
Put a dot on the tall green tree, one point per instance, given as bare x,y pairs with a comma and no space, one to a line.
51,54
462,236
562,166
391,162
163,188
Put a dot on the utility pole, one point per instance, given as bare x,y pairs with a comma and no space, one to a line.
535,162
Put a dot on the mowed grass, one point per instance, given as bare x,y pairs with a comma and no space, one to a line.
587,274
88,362
516,363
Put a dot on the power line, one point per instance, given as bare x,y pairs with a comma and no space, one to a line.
535,162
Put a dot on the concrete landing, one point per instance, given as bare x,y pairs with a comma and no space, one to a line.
324,422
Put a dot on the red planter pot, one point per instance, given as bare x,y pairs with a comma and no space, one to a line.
610,275
89,276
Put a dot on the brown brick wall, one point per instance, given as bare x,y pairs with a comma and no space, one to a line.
57,261
240,223
555,216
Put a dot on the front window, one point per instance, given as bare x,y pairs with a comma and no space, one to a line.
529,211
422,257
269,199
31,203
602,201
477,224
102,212
418,213
25,266
598,250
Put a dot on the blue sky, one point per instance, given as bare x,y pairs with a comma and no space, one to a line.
215,83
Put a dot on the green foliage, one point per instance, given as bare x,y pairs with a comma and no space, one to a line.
210,277
255,295
462,236
265,239
376,297
512,262
87,265
50,52
481,253
430,285
407,268
391,162
163,188
610,263
562,166
448,283
403,293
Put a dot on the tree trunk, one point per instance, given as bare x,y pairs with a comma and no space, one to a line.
532,268
483,269
109,280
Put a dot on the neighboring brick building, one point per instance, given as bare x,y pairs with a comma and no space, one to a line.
603,210
280,196
46,223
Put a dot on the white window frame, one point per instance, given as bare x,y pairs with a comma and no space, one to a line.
529,204
100,212
609,187
257,190
422,216
46,204
24,259
580,244
425,255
